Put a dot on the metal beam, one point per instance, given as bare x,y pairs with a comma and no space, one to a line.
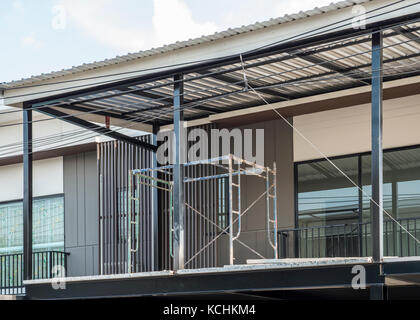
138,91
361,76
91,110
178,175
407,32
232,80
149,95
290,82
377,152
215,109
327,278
93,127
27,191
169,105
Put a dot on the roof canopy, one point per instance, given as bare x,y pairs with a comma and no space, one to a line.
285,71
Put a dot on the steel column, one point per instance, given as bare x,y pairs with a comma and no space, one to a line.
378,292
27,191
377,153
360,204
155,206
178,174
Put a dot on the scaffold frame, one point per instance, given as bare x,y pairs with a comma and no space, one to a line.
230,168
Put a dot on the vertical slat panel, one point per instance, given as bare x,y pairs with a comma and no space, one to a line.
116,159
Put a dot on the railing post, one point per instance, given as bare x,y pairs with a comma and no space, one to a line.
377,153
65,263
51,254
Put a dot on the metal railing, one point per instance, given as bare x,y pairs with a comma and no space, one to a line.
348,240
43,263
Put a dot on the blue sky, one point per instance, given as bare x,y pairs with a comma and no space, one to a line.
49,35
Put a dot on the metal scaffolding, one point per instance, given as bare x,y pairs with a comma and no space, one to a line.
212,201
134,196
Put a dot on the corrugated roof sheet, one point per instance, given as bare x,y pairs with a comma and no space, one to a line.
277,76
183,44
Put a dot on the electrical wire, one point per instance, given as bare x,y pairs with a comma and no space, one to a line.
88,134
202,60
281,85
237,83
201,76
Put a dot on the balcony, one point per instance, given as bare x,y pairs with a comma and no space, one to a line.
44,266
349,240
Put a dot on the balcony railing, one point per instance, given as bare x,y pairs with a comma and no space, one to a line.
43,264
348,240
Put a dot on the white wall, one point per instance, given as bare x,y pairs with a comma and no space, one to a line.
47,175
347,130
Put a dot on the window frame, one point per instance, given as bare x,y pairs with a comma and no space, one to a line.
56,195
359,155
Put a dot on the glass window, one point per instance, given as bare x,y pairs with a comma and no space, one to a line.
328,204
325,197
48,225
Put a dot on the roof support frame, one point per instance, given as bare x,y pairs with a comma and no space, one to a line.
231,80
254,54
84,109
178,176
326,74
27,191
363,78
96,128
407,33
150,95
205,73
259,88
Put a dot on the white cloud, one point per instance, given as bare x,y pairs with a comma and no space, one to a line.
31,40
292,6
173,21
97,19
18,5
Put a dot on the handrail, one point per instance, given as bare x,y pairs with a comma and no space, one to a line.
43,263
35,252
342,225
347,239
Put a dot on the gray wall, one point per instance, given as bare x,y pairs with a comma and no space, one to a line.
278,147
81,214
